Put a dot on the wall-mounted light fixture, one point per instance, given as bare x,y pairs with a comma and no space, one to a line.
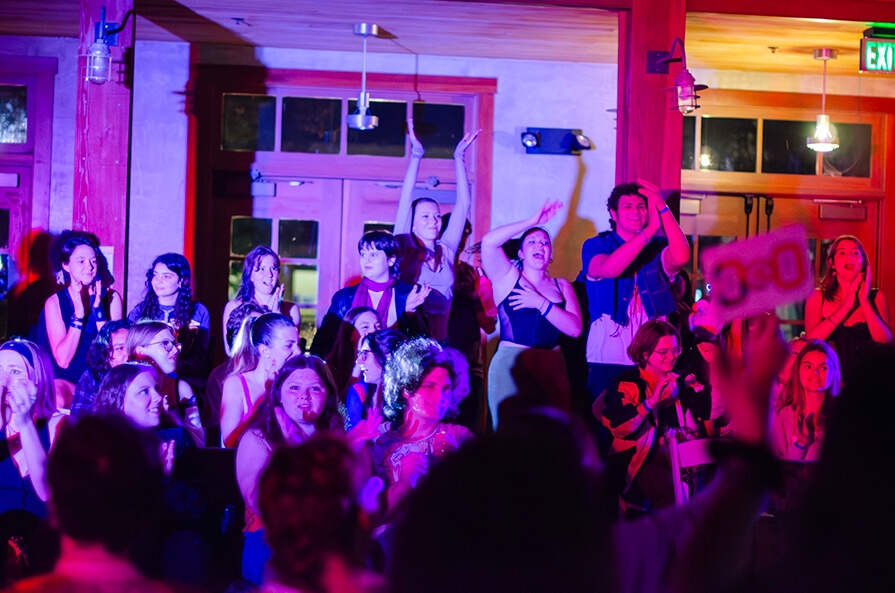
99,56
362,119
555,141
825,138
685,87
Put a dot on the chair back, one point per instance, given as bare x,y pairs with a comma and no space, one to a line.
683,455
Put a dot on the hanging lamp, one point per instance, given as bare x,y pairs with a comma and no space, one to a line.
362,119
825,138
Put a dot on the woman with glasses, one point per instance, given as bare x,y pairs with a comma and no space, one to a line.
154,342
364,399
638,407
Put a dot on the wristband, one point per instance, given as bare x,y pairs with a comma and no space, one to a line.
643,236
664,210
549,306
795,442
76,319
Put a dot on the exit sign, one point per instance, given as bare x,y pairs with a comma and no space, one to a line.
878,55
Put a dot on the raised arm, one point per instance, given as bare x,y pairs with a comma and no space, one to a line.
63,340
678,253
495,262
403,219
20,398
454,232
613,264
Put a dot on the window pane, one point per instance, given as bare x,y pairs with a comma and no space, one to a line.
298,238
246,233
300,287
379,226
249,122
852,158
13,114
235,278
4,229
311,125
439,127
4,277
385,140
688,154
728,144
784,147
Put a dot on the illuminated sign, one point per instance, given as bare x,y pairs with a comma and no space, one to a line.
878,55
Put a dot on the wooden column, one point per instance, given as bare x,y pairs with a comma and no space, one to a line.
102,137
649,133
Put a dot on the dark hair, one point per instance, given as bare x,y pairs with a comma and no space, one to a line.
111,392
246,289
34,355
68,248
509,512
829,283
409,365
355,312
383,343
793,393
329,419
100,353
307,500
622,189
106,481
238,315
647,337
149,308
259,330
383,241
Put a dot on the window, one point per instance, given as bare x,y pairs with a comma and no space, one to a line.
248,122
13,114
311,125
388,138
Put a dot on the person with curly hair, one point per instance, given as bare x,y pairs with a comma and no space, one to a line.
424,383
302,401
108,350
261,286
169,299
308,497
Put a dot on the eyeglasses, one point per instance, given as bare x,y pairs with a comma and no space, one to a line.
168,345
362,355
666,351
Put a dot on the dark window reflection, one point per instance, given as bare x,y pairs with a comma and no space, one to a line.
249,122
852,158
4,229
728,144
439,127
13,114
311,125
297,238
688,154
247,233
784,147
379,226
385,140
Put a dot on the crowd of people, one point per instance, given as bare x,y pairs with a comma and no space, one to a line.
380,459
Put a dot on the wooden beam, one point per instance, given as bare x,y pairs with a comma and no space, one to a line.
102,138
649,132
853,10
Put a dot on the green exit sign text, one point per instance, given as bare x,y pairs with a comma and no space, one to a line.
878,55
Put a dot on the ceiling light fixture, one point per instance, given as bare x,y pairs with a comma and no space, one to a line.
825,138
685,87
362,119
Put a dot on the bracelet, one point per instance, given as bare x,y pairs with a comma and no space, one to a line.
76,325
798,446
76,319
664,210
549,306
642,235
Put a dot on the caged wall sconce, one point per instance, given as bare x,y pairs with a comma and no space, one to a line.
362,119
99,56
685,87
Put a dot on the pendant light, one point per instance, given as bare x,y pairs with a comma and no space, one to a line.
362,119
825,138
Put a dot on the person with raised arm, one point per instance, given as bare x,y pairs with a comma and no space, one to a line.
533,309
426,259
628,272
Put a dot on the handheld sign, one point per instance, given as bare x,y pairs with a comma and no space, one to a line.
756,275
